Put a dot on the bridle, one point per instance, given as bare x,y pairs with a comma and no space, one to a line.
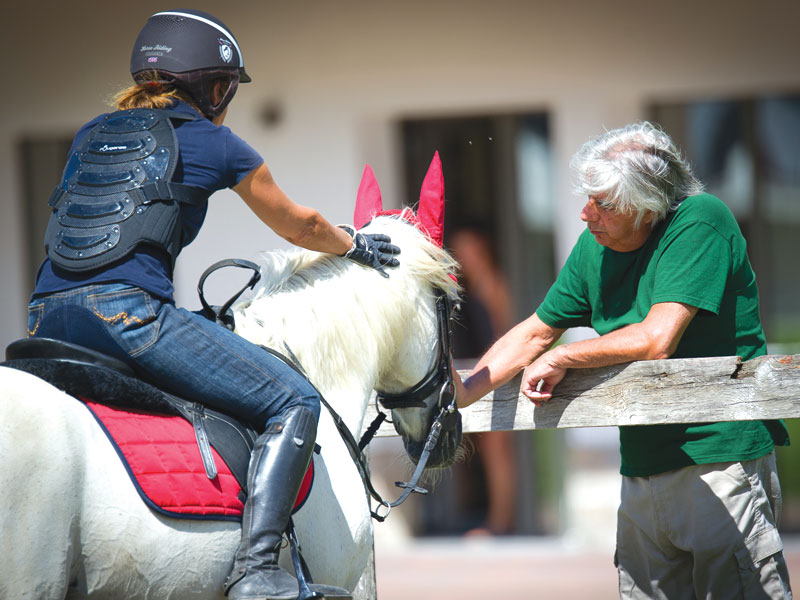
447,417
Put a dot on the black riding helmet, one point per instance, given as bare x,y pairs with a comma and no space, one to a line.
190,49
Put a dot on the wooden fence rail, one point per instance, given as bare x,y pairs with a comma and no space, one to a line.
688,390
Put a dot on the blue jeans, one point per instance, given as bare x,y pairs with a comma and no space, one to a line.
178,350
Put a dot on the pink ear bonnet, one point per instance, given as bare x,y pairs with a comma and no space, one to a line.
429,217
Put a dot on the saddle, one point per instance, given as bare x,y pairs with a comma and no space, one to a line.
115,396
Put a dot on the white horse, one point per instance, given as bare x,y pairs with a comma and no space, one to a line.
71,522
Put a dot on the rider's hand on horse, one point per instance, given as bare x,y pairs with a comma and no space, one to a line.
372,250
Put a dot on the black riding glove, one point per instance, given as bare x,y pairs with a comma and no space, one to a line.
372,250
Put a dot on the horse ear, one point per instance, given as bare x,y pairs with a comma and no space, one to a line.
431,201
368,199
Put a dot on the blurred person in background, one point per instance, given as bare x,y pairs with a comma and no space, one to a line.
486,313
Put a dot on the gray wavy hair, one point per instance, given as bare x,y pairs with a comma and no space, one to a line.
638,168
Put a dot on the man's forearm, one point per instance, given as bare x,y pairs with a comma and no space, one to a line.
507,357
656,337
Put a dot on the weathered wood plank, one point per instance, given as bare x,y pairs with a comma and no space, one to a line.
647,392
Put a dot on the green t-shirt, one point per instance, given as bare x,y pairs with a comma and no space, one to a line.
696,256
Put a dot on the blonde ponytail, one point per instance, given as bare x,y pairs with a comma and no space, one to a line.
150,94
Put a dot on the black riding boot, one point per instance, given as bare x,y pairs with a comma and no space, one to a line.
278,464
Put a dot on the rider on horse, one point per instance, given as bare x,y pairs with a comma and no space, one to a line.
134,192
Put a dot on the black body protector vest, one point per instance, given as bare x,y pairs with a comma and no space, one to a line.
117,192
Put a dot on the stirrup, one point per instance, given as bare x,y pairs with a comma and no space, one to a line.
300,567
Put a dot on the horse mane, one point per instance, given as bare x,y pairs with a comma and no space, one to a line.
334,315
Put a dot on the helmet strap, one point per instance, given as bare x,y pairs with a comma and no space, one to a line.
198,84
214,110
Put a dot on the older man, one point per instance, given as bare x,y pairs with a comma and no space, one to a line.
661,271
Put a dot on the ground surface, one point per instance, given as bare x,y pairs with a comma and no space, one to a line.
506,569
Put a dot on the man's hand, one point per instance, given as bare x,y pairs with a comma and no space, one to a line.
541,377
372,250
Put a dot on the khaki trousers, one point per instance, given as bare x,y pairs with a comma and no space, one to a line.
704,531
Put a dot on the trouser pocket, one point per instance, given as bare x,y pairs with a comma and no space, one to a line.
35,314
762,566
130,315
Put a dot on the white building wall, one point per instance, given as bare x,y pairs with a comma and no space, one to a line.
343,72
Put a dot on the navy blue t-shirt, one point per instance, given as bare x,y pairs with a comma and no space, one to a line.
209,157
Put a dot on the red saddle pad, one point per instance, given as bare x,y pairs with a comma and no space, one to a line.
161,455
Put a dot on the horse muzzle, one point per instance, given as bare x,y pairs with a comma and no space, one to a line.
444,451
